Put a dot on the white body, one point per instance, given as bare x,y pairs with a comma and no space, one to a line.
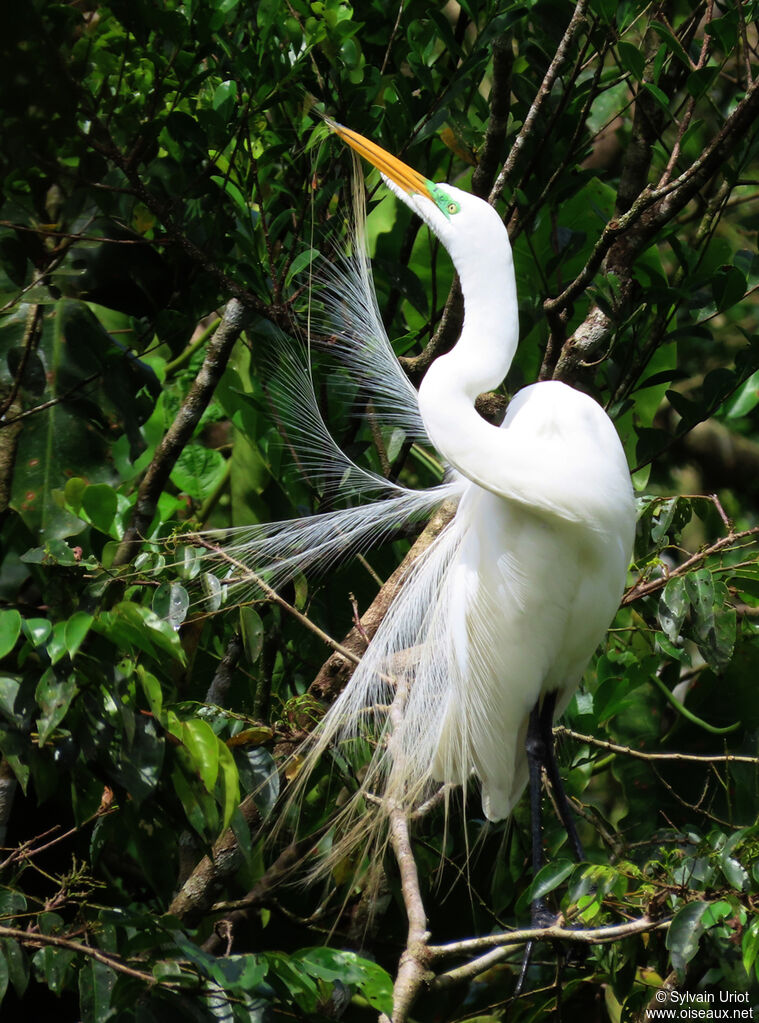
511,600
532,590
543,534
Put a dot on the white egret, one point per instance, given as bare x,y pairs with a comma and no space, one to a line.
498,619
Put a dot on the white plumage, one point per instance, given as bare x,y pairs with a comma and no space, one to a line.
510,601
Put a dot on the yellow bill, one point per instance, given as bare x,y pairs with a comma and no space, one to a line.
405,177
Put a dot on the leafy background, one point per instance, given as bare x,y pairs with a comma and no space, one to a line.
161,160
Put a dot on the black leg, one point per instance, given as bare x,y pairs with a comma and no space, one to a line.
540,754
535,749
552,770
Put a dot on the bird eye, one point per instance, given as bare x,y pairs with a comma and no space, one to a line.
453,207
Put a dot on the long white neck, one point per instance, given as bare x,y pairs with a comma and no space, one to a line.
481,357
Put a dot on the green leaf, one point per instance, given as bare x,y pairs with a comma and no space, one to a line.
202,745
301,261
242,972
673,607
745,400
632,59
735,873
59,441
297,985
331,965
232,191
51,965
750,945
4,974
56,646
252,629
714,625
138,766
672,43
100,504
684,934
133,627
258,773
198,471
96,984
152,689
37,630
17,962
10,630
728,287
231,780
172,602
11,903
550,877
661,97
199,807
716,912
701,80
53,696
75,631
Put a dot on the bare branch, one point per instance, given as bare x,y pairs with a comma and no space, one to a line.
272,595
413,969
575,24
36,940
260,893
199,892
646,586
335,672
693,758
508,940
498,122
235,319
624,238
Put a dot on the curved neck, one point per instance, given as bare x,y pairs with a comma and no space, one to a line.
480,359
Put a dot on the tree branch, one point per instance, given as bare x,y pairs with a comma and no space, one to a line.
259,894
498,121
508,940
236,318
337,669
54,940
644,587
575,24
691,758
413,969
198,894
624,238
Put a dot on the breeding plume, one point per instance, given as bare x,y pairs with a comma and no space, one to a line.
503,611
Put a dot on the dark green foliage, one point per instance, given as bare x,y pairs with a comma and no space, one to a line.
159,159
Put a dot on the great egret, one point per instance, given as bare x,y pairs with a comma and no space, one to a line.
498,619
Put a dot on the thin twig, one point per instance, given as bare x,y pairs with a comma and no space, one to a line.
234,321
694,758
29,345
413,969
391,40
746,52
691,105
40,940
562,51
272,595
507,941
644,588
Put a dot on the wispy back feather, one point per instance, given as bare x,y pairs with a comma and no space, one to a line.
357,335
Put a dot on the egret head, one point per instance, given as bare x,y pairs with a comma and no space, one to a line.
458,218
